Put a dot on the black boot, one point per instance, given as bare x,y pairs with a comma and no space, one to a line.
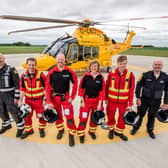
151,134
111,134
133,131
26,134
82,139
19,132
4,129
122,136
42,133
93,135
60,133
71,140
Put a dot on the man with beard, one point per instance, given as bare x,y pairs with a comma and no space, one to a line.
9,97
57,93
149,90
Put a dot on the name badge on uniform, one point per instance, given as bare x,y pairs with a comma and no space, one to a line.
98,81
149,80
161,81
65,76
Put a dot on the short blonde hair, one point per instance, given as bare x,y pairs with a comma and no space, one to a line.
94,62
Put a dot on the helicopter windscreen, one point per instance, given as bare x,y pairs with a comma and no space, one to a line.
48,47
55,47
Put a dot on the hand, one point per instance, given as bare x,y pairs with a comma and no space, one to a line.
129,108
99,106
138,102
44,102
106,101
165,106
16,101
70,100
50,106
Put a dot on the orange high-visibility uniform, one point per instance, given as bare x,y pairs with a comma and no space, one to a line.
119,93
33,87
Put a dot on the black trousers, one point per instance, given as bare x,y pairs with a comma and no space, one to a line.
7,105
152,107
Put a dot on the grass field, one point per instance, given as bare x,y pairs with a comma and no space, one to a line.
21,49
149,51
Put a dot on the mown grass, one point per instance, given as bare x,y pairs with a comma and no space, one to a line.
148,51
21,49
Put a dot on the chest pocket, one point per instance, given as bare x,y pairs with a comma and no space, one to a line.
98,84
6,78
148,82
161,85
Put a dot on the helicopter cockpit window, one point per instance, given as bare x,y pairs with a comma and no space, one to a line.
95,52
87,52
56,48
73,53
48,47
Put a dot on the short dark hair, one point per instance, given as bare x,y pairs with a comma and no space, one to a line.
31,59
94,62
121,58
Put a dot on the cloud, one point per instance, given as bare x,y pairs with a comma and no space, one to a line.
77,10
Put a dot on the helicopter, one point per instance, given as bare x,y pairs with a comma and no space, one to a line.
86,44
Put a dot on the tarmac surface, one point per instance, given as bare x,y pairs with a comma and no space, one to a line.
140,151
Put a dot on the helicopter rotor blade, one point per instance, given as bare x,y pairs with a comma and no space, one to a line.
38,19
135,19
136,27
40,28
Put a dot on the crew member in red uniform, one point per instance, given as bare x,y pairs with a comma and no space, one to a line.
57,93
32,86
91,92
119,93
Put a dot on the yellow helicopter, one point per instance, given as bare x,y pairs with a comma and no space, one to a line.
86,44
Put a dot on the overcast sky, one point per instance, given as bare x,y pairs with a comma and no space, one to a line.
97,10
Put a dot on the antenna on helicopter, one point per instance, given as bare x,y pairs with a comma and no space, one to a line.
128,28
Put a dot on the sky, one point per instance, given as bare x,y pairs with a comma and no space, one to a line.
96,10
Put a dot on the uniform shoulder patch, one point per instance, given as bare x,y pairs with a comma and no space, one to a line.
140,77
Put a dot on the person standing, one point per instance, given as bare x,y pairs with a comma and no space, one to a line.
91,92
32,87
119,94
57,93
9,97
149,90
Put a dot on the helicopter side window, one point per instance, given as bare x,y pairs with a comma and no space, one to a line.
87,52
95,52
72,53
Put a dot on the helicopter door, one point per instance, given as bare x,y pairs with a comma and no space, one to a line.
72,55
95,52
86,53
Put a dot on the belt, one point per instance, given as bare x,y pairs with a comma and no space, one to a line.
92,96
58,94
34,98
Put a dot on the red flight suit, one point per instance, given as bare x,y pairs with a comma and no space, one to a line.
57,93
92,89
119,92
34,86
